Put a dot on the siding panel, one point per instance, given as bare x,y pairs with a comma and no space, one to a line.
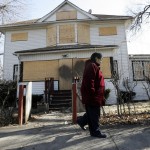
36,39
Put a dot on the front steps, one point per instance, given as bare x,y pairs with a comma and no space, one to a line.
61,100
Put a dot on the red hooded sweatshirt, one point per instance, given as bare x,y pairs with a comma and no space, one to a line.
93,86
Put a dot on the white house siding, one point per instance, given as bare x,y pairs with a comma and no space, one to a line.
71,54
36,39
140,91
52,18
112,97
121,54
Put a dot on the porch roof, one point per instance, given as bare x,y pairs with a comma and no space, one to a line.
63,48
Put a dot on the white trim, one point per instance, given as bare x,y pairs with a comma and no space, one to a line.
76,33
71,50
69,3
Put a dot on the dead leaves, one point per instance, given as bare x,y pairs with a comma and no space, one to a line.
125,119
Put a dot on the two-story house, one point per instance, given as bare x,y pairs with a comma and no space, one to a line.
58,44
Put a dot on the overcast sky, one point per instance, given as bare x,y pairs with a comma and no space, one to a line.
138,44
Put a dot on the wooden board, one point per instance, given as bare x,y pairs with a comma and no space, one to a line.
65,74
66,15
39,70
19,36
106,31
66,33
83,33
51,35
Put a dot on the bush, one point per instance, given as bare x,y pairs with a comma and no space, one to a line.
35,99
127,96
8,91
106,93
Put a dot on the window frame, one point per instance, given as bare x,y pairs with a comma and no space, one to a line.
143,70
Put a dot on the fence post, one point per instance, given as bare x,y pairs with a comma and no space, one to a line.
20,109
74,103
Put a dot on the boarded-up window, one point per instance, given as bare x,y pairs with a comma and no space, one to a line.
66,33
65,74
51,35
106,67
106,31
141,69
78,67
83,33
137,70
66,15
39,70
19,36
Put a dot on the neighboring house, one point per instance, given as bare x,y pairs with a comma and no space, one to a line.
58,44
140,70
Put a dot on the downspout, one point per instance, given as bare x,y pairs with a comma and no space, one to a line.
19,63
18,77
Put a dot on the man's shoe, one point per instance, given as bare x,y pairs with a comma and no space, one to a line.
81,126
99,135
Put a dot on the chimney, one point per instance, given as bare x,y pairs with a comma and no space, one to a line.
90,11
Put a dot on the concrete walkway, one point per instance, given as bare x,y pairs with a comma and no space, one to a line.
54,131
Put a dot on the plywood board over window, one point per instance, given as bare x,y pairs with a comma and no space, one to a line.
65,74
84,33
66,15
106,31
66,33
51,35
138,70
106,67
19,36
39,70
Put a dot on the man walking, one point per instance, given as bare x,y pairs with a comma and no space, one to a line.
92,92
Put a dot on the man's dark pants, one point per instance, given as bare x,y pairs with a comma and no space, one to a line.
91,117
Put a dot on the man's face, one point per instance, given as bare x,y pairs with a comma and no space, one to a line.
98,60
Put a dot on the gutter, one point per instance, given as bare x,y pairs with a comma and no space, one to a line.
42,24
71,50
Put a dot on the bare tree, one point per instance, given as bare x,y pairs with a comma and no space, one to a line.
1,70
146,86
141,15
10,10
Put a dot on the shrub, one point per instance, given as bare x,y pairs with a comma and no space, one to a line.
8,91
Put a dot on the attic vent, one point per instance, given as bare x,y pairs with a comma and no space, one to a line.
90,11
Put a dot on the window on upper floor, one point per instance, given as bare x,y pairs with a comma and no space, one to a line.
23,36
140,69
66,33
66,15
107,31
83,33
51,35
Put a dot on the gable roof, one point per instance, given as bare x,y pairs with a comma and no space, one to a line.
71,4
40,22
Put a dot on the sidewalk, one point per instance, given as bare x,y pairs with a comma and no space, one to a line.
55,131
